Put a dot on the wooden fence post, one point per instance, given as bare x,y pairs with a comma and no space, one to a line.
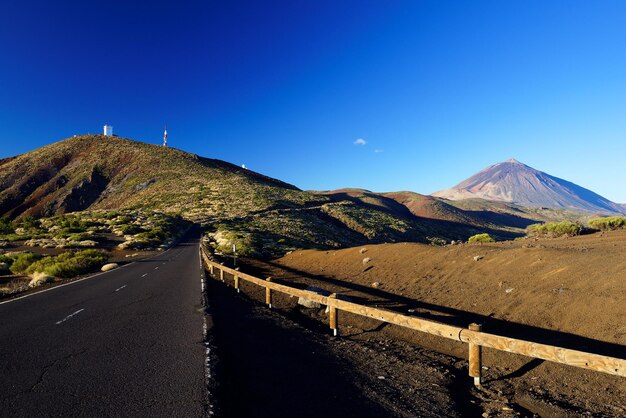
237,283
475,358
332,313
221,275
268,294
211,269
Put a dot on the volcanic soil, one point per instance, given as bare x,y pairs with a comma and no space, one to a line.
568,292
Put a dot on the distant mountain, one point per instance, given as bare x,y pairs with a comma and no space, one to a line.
517,183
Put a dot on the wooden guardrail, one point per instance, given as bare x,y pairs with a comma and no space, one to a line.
472,336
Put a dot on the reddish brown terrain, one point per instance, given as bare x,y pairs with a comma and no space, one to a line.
568,292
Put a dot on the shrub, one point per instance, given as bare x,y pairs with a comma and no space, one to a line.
81,236
69,264
130,229
40,278
29,222
5,259
22,261
6,226
436,241
555,229
480,238
608,223
16,237
71,224
245,243
151,238
122,220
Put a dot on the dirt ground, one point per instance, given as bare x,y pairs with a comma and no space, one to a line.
568,292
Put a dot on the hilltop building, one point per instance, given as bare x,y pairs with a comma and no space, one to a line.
108,130
165,137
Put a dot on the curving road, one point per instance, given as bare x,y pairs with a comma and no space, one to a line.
124,343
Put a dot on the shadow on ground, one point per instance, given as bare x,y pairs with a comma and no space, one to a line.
269,367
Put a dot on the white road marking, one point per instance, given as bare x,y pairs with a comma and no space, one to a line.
120,288
69,316
144,275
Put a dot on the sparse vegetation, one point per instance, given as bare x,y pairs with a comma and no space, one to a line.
480,238
144,230
554,229
608,223
140,229
69,264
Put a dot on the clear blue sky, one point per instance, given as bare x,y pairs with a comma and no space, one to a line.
437,89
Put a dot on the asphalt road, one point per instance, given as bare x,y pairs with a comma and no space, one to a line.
125,343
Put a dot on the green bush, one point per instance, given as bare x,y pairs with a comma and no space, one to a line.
6,226
69,264
480,238
608,223
154,237
15,237
436,241
71,224
130,229
122,220
555,229
29,222
245,243
22,261
79,237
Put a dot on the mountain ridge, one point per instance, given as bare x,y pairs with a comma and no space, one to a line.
93,172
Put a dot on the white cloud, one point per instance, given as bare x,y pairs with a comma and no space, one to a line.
360,141
378,151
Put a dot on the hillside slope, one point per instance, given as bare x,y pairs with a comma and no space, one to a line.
108,172
514,182
438,218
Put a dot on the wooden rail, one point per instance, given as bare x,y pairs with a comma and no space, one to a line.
472,336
